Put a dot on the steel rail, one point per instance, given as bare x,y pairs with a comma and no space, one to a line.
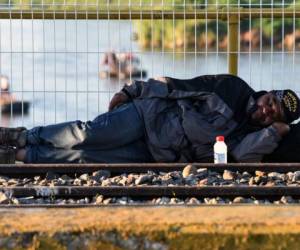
153,191
54,205
32,169
113,14
132,205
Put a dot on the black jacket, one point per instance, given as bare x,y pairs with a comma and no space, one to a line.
183,117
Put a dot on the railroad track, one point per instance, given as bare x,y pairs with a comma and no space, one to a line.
152,191
31,169
188,187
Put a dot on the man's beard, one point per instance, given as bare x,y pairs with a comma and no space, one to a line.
250,113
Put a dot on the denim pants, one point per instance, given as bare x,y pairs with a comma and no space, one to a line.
112,137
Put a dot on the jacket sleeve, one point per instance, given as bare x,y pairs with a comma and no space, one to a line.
255,145
148,89
162,86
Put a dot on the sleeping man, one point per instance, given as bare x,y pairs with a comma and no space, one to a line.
166,120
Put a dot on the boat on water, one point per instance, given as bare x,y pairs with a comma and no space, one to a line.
15,108
121,65
9,105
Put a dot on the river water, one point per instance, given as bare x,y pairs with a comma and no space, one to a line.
55,66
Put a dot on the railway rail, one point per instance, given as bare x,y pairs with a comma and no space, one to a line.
187,187
31,169
151,191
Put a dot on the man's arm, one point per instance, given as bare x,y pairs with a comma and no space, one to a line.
233,90
161,87
221,84
149,89
288,149
257,144
140,89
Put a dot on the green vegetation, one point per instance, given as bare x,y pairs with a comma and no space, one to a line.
199,34
186,34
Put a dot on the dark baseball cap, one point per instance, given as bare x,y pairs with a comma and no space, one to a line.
290,103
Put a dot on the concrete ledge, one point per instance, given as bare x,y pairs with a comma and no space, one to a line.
204,227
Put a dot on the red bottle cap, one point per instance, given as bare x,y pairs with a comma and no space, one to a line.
220,138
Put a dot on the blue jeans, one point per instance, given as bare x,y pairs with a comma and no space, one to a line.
113,137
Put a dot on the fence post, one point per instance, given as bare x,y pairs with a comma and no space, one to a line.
233,44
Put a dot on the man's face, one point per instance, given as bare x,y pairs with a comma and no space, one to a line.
269,110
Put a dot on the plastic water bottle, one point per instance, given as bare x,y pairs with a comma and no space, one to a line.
220,150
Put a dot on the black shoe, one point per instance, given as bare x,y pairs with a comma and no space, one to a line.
7,155
13,136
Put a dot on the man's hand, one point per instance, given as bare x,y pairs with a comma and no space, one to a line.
118,99
281,127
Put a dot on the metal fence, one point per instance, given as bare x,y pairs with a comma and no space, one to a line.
67,59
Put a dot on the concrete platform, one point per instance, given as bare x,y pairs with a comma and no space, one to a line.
174,227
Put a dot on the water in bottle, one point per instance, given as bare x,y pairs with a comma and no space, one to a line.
220,150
